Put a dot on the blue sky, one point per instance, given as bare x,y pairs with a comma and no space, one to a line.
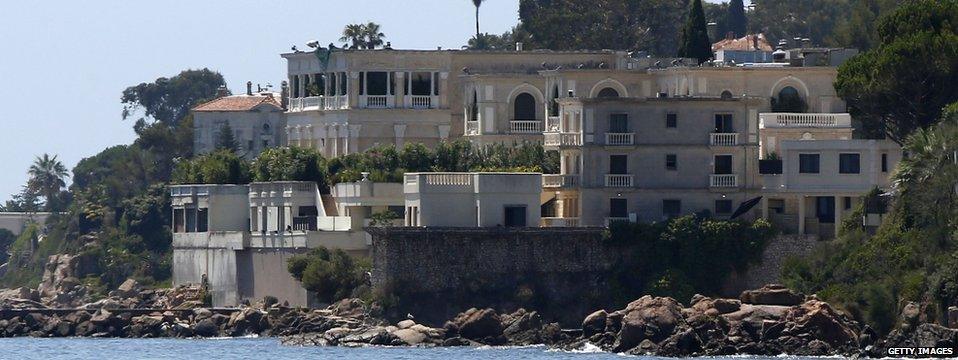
65,63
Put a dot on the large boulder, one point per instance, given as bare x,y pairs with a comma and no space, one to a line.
816,319
205,328
652,318
594,323
772,294
129,288
478,324
953,317
353,308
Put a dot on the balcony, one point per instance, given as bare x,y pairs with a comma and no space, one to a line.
610,220
552,124
376,101
420,102
318,103
558,222
619,139
724,139
618,180
559,181
562,139
472,128
723,181
804,120
525,127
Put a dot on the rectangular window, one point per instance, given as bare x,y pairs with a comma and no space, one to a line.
723,165
202,220
723,124
420,83
671,162
179,219
377,83
776,206
671,208
619,123
618,208
671,121
847,202
808,163
618,164
884,163
190,220
849,163
515,216
723,207
825,209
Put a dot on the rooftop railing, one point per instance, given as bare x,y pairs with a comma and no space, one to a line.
800,120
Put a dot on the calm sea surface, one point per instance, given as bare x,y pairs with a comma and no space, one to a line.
261,349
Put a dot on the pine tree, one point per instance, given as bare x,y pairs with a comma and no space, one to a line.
695,38
226,140
737,22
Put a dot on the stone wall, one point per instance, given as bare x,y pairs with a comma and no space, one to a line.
769,270
435,273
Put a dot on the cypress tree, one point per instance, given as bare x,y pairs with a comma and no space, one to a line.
737,22
695,38
226,140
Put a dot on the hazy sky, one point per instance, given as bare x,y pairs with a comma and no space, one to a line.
65,63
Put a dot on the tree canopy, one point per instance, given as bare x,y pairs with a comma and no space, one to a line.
902,85
169,100
695,38
362,36
737,22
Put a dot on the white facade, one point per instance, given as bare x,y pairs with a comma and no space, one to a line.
16,222
473,199
258,122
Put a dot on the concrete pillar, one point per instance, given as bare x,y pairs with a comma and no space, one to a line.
353,141
333,140
765,207
839,201
400,131
801,215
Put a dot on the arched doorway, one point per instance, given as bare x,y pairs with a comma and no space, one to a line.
789,100
524,107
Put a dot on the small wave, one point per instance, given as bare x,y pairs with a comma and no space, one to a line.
508,347
250,336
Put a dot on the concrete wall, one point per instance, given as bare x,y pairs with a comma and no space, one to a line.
829,178
471,199
212,254
16,222
439,272
769,270
263,272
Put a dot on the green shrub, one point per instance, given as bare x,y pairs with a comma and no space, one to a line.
331,274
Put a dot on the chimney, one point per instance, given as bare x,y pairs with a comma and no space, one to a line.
222,91
284,93
519,46
712,30
249,88
754,42
806,43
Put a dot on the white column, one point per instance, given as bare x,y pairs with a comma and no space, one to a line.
353,144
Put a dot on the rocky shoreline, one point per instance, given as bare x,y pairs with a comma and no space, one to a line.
768,321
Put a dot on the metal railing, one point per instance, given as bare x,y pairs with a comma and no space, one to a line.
559,181
618,180
619,138
562,139
723,181
332,102
772,120
724,139
525,126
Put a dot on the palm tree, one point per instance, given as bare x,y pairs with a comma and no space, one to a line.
374,37
353,35
477,3
47,176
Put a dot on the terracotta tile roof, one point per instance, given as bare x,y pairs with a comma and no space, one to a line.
238,103
746,43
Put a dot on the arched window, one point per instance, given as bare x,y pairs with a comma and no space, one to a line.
608,93
525,107
266,127
726,95
789,100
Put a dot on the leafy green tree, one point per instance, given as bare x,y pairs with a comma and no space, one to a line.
695,38
353,36
903,84
225,140
290,164
220,167
374,37
331,274
169,100
737,22
47,176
